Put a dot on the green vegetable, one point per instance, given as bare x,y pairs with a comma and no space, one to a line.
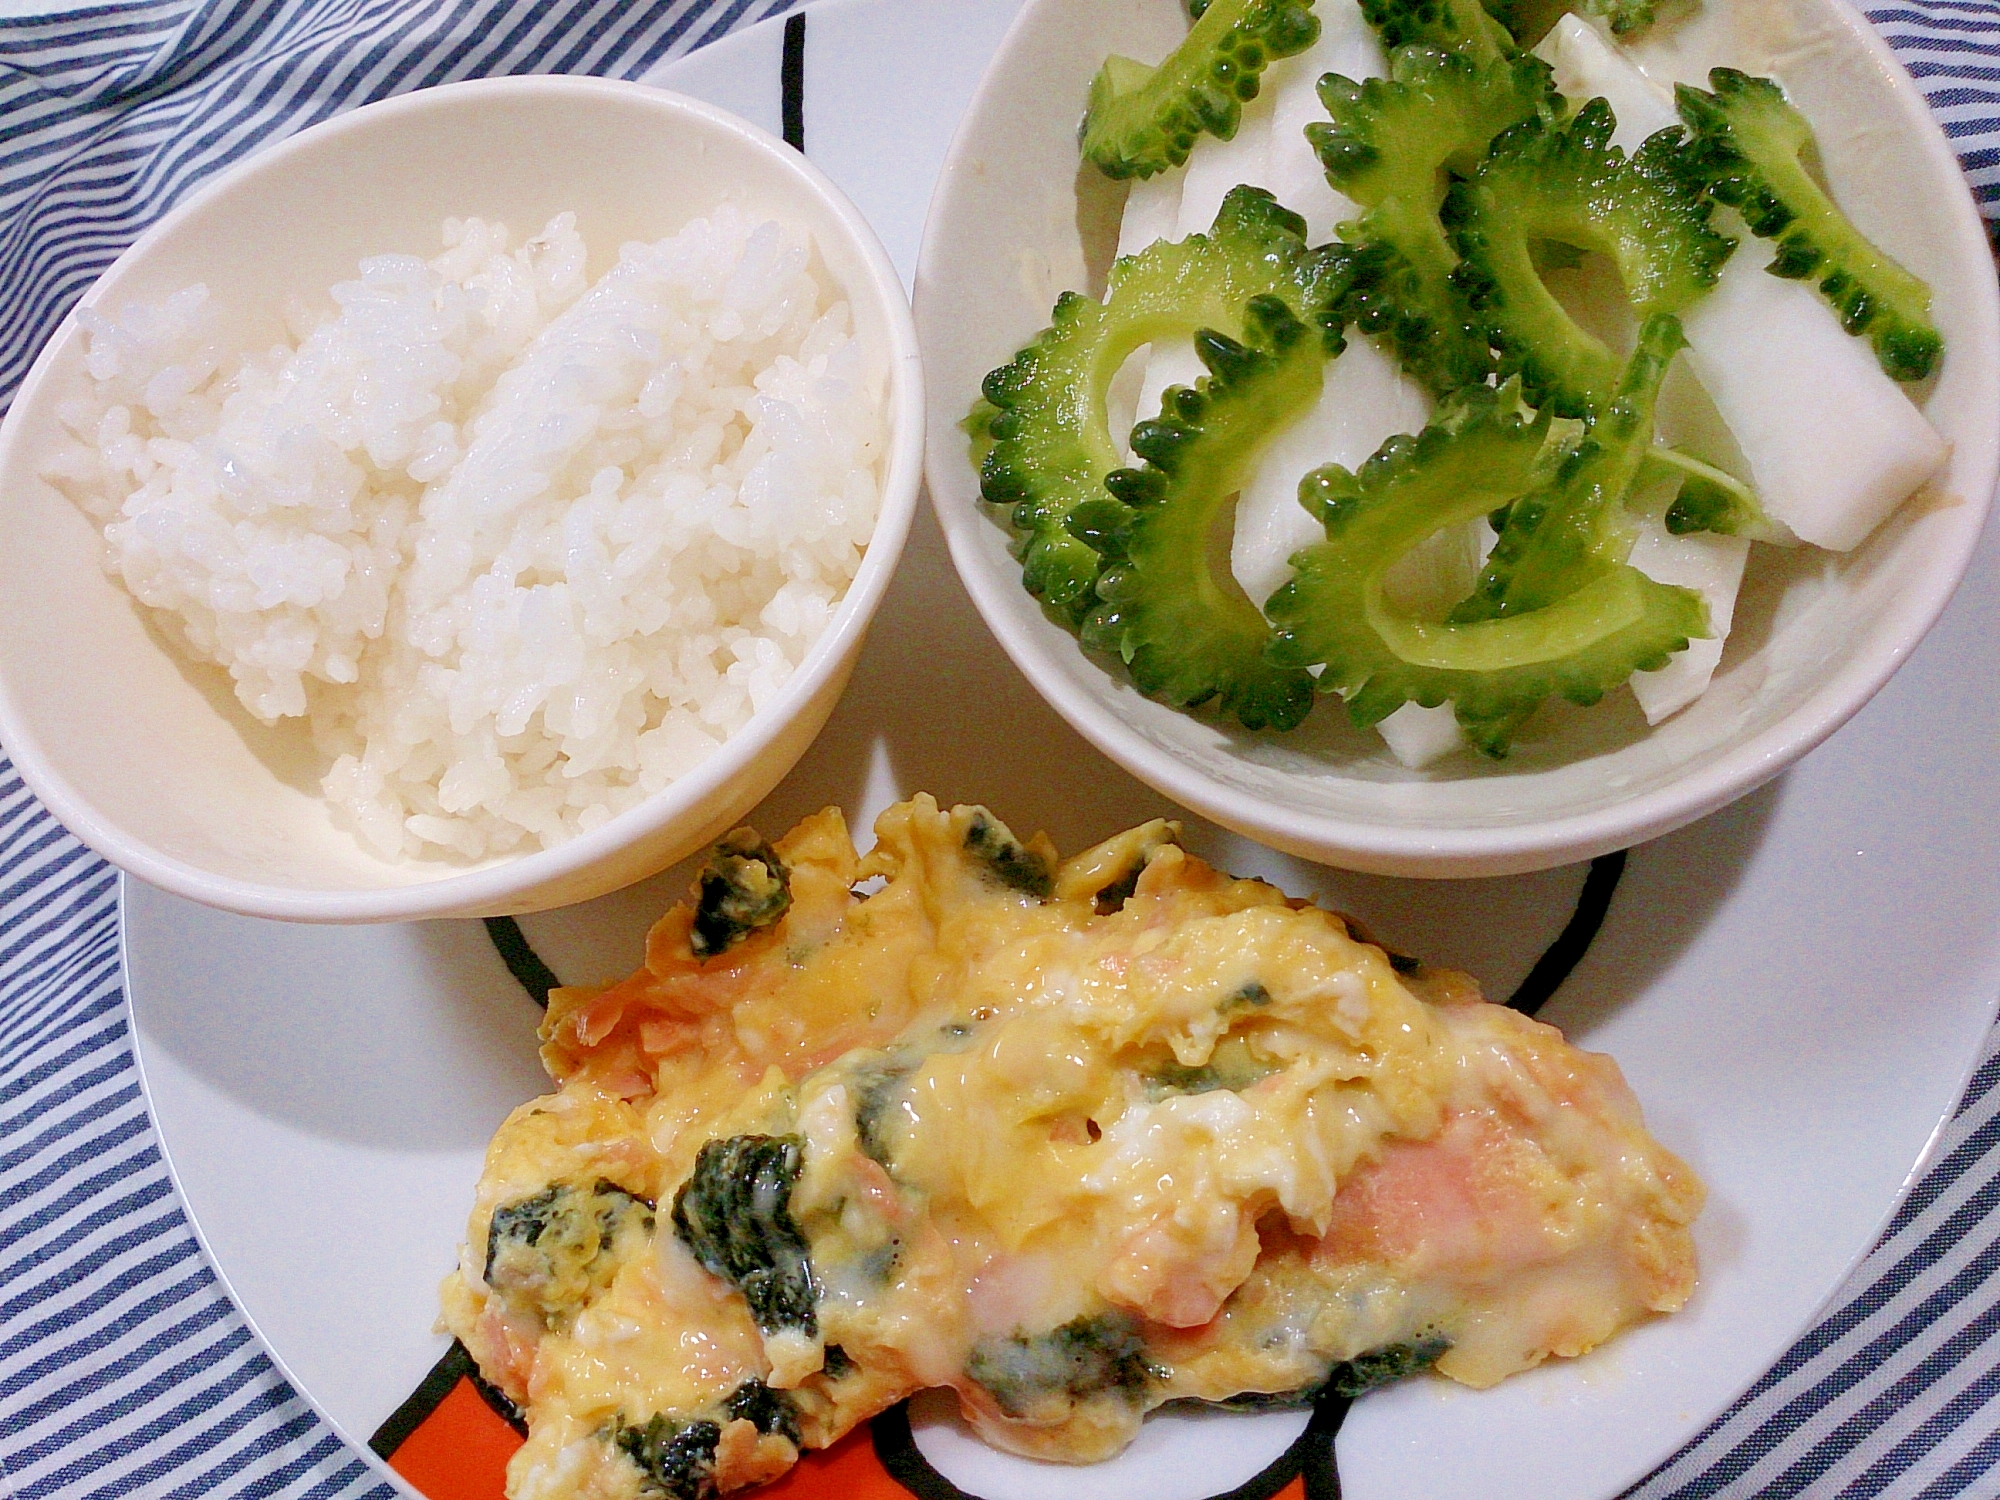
1624,17
1010,862
734,1213
1558,611
1463,26
1182,625
675,1455
1387,1365
1571,185
1125,884
1040,432
1296,1399
873,1087
771,1412
1747,149
744,886
1389,147
676,1459
1708,498
547,1253
1029,1374
1230,1066
1351,1377
1142,120
1561,537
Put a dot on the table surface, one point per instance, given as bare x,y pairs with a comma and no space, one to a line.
123,1367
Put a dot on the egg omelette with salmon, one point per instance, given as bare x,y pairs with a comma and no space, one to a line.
1073,1138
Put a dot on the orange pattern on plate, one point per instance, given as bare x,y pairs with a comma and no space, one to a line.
459,1451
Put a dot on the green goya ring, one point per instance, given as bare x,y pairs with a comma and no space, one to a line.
1185,634
1566,615
1570,185
1390,146
1747,149
1143,119
1040,434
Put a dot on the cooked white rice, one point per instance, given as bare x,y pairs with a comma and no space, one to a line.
519,548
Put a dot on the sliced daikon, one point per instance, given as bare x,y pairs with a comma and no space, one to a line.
1152,212
1348,46
1366,399
1418,736
1712,566
1832,444
1588,65
1215,166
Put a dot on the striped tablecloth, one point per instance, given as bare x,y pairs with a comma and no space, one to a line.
124,1369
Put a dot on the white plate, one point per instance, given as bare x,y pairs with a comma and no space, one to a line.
1796,987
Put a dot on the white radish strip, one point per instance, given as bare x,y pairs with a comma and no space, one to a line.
1589,66
1431,579
1831,442
1152,212
1122,397
1712,566
1833,445
1417,736
1366,399
1347,45
1215,166
1439,571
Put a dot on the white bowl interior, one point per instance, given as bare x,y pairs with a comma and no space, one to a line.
1816,633
148,756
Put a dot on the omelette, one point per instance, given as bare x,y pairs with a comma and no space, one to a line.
1073,1138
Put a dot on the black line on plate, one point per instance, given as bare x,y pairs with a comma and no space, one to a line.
526,965
456,1365
1315,1447
1311,1455
896,1450
792,81
1567,951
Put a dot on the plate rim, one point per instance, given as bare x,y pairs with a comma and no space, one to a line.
358,1443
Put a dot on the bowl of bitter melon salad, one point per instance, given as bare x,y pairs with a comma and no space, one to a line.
1445,440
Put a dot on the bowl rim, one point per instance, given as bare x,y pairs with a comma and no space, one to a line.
1453,853
508,884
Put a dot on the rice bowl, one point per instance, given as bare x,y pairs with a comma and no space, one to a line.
214,805
521,549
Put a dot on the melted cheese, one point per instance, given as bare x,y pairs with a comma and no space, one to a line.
1072,1140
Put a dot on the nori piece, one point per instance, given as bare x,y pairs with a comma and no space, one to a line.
770,1411
1081,1358
676,1460
734,1213
527,1222
744,886
1009,861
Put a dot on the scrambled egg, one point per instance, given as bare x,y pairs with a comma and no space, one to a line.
1074,1139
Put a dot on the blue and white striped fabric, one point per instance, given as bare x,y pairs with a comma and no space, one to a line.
124,1371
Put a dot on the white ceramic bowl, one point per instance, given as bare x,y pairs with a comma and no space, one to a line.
149,759
1816,634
